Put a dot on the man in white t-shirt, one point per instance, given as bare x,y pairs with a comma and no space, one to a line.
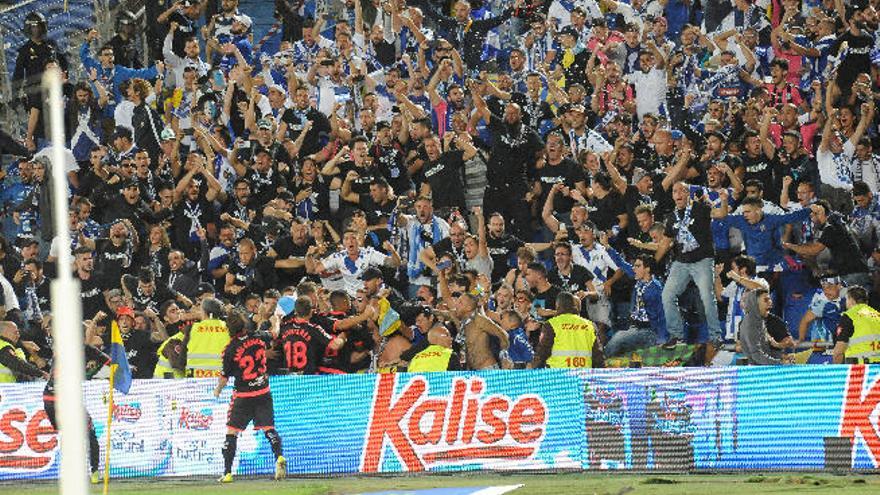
650,81
352,260
834,158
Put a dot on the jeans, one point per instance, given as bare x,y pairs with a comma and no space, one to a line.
630,340
701,272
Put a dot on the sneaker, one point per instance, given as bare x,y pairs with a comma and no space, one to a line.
226,478
95,478
280,468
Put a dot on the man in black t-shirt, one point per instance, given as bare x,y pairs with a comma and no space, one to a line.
516,148
244,359
847,259
501,246
289,253
443,172
295,119
688,228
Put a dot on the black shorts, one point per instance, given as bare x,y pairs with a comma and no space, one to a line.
243,410
49,407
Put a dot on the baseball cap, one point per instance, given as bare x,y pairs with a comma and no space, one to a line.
383,124
277,87
676,134
576,108
264,124
720,135
129,183
638,174
569,30
371,273
167,134
124,311
243,19
121,132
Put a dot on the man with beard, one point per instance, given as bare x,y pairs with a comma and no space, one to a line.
689,228
251,274
571,277
423,229
536,110
193,209
290,252
467,34
472,342
388,155
377,204
183,275
502,245
294,119
442,171
127,204
145,293
516,148
90,287
114,254
238,209
557,168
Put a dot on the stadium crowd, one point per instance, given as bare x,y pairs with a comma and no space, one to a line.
448,184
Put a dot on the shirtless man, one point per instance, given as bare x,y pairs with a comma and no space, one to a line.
477,353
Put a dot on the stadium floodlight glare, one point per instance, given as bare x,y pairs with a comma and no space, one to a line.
67,314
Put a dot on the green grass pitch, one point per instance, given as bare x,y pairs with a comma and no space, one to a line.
538,484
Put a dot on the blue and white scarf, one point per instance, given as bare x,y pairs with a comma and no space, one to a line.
414,266
685,237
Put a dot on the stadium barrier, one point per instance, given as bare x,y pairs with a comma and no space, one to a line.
665,419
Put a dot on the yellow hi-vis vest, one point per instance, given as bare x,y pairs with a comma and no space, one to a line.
204,352
573,344
6,375
434,358
865,340
163,365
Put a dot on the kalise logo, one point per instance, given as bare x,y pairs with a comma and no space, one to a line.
26,443
195,420
128,413
860,408
463,425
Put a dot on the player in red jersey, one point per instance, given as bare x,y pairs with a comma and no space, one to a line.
303,343
244,359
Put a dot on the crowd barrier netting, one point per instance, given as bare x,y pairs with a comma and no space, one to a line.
676,419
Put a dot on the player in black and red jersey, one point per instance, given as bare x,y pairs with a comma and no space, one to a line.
95,360
244,359
358,338
303,343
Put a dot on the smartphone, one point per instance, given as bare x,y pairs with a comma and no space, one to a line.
219,80
444,264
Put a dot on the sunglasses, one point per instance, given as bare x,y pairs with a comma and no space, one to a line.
457,294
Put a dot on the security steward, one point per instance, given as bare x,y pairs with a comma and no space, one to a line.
567,340
12,359
438,356
206,341
169,353
858,332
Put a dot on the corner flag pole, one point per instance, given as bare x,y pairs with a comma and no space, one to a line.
67,309
109,424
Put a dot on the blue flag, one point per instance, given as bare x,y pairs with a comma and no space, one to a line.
118,357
